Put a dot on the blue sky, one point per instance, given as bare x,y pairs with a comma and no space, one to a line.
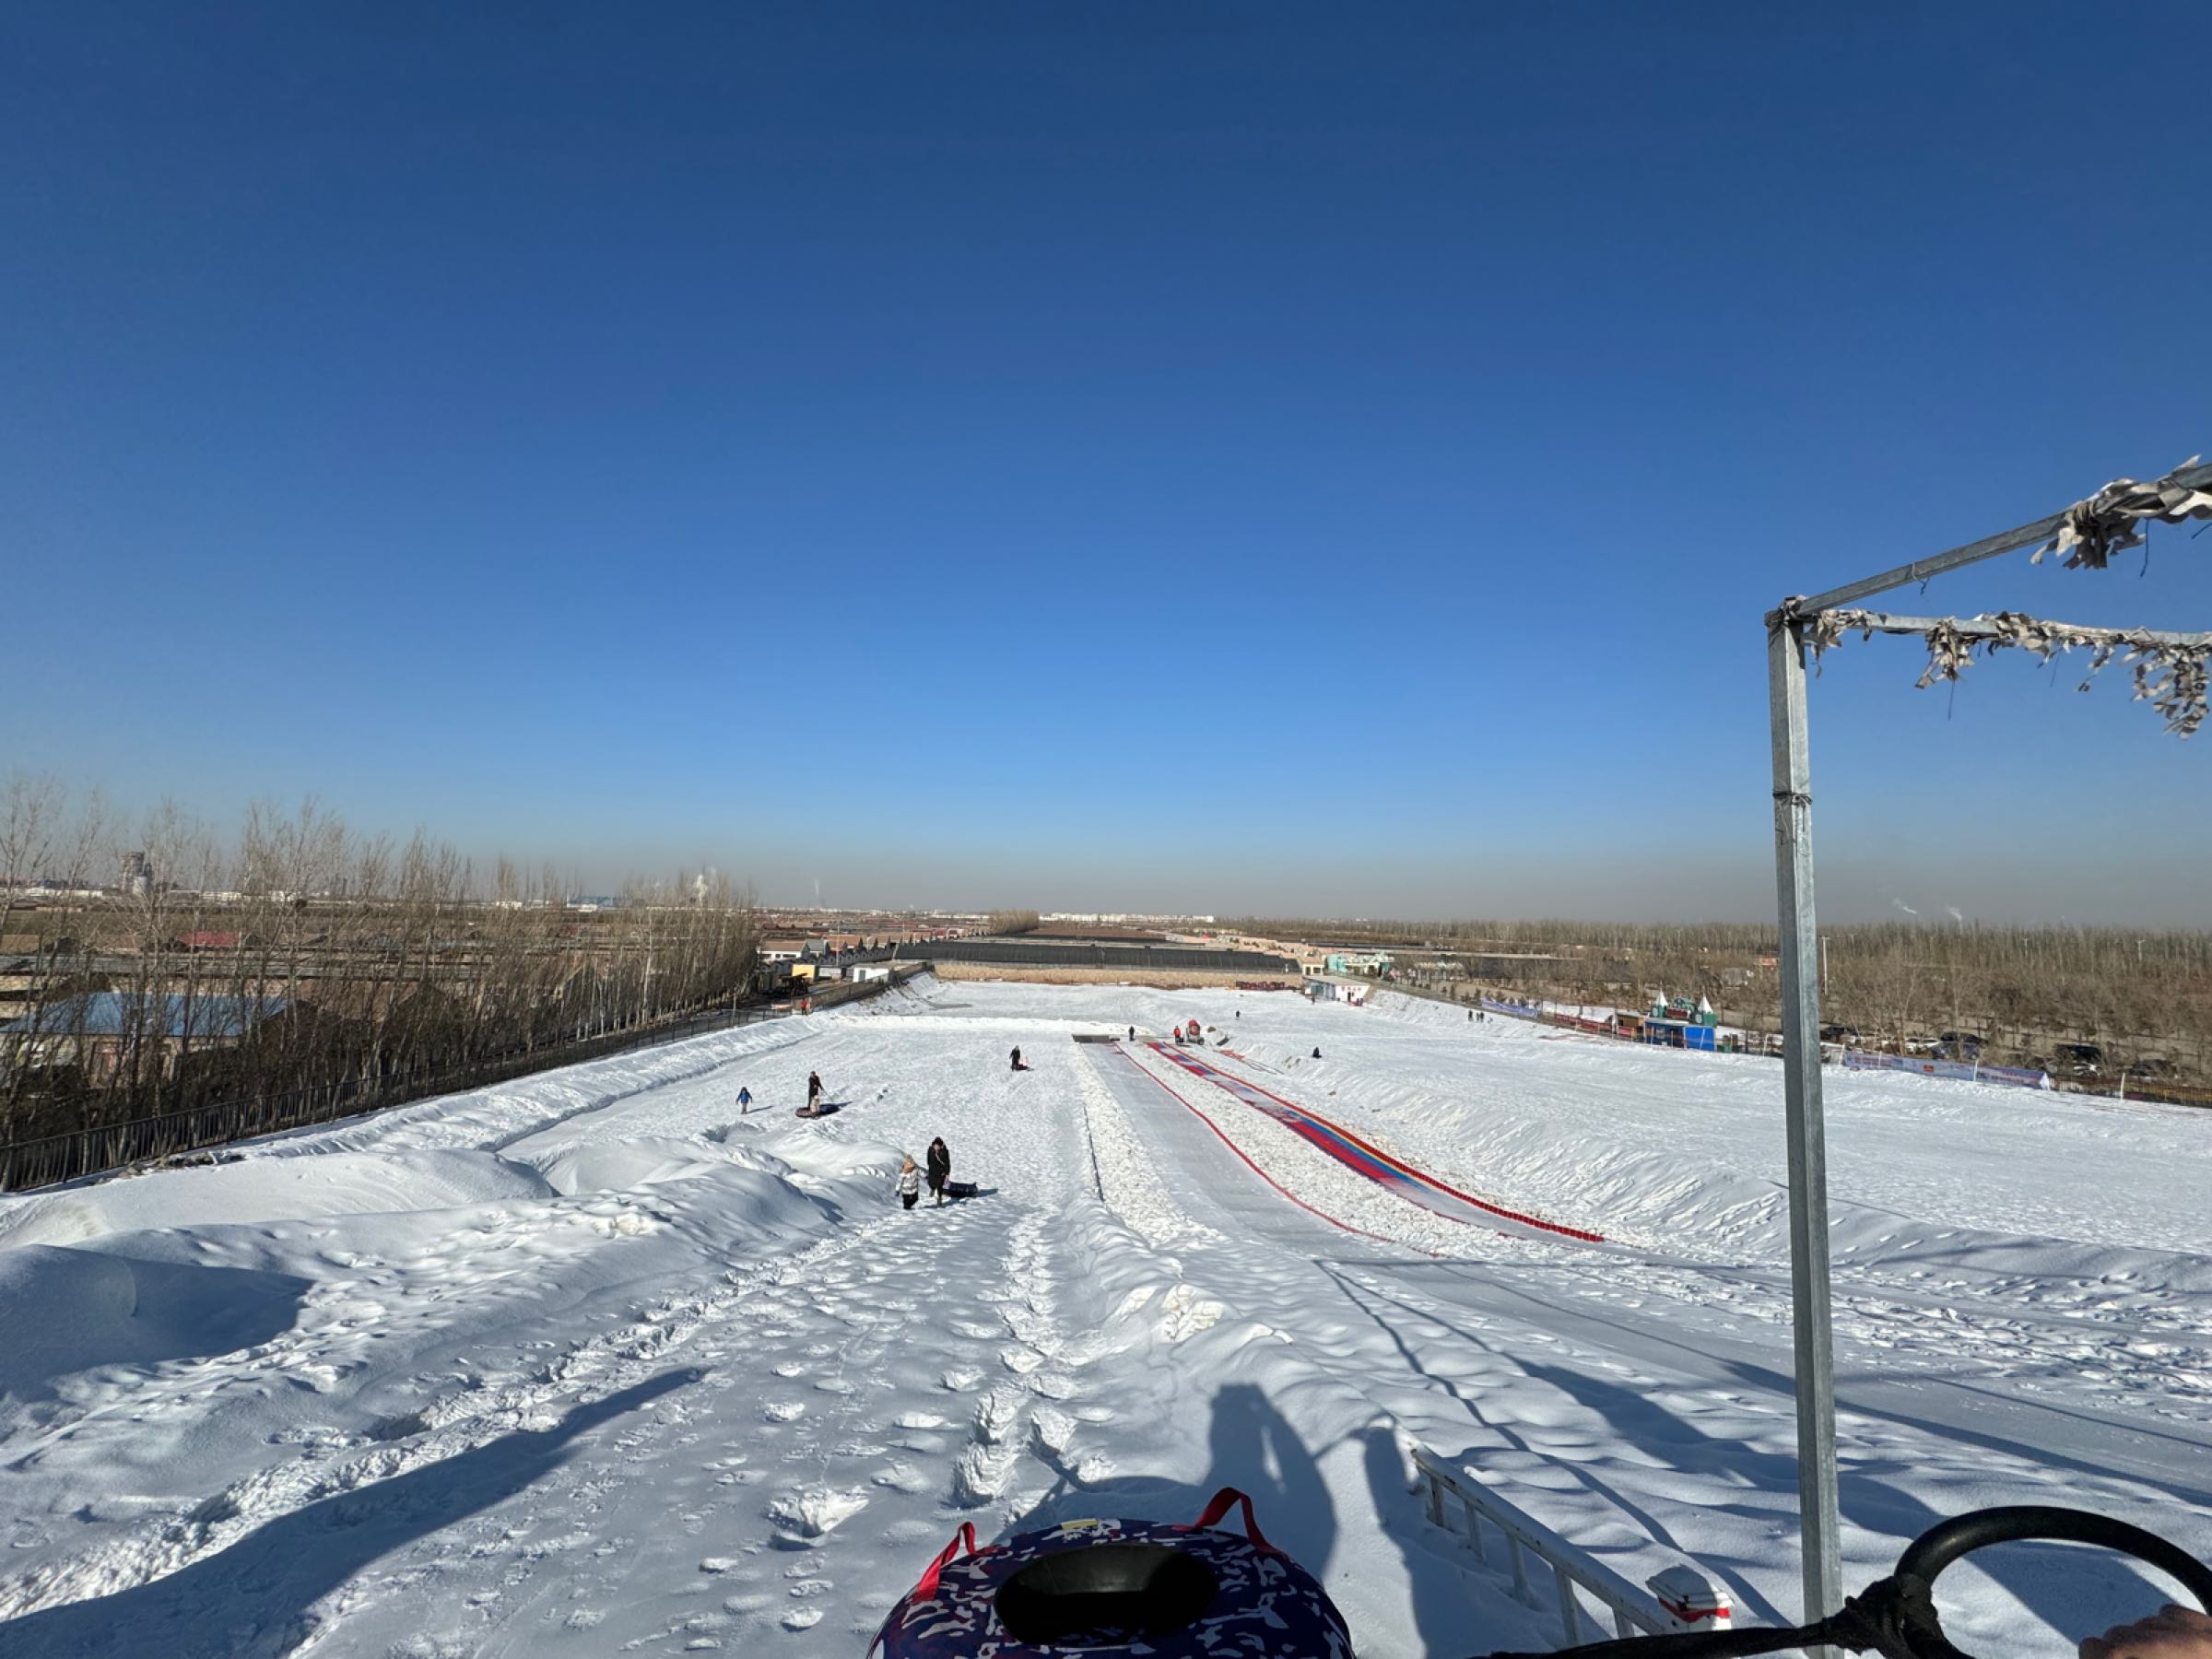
1102,455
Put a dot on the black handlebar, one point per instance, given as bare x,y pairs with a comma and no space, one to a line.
1896,1615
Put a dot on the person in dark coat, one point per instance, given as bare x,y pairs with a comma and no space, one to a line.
814,1088
1017,1065
940,1167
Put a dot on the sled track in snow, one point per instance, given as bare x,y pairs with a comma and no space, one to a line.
1247,1160
1415,1185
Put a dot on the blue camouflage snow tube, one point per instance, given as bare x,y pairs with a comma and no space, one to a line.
1141,1586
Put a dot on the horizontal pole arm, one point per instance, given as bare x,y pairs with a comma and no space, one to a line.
1989,547
1984,628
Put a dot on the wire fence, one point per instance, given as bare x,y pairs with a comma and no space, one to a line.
50,1160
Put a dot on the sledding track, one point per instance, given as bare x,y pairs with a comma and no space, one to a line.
1362,1157
1245,1157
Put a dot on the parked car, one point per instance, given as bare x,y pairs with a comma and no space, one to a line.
2082,1059
1838,1033
1961,1045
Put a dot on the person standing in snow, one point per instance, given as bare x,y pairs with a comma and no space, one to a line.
1132,1033
910,1184
1017,1065
940,1167
744,1101
814,1088
1316,1054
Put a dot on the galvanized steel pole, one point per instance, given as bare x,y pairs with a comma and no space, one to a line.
1815,1342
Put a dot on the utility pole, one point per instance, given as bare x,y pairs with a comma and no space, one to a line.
1801,956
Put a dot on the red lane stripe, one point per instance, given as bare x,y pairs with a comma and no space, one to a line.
1421,1175
1270,1180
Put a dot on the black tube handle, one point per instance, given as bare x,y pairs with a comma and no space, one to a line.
1913,1629
1948,1541
1896,1615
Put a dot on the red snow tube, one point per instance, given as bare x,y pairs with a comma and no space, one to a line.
1118,1586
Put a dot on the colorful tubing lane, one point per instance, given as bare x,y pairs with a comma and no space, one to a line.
1415,1185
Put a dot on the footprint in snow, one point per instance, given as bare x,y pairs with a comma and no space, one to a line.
802,1619
900,1534
813,1511
995,1417
982,1474
903,1478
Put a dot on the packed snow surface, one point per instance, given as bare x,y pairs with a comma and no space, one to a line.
590,1363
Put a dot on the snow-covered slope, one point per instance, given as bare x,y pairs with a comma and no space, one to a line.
589,1363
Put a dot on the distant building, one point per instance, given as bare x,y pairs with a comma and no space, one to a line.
137,875
98,1031
1356,961
1322,990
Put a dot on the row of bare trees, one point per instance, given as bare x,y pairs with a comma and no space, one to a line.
1899,981
152,965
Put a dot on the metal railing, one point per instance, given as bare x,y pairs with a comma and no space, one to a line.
1574,1573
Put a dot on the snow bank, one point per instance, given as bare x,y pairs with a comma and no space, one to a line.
256,1189
497,1116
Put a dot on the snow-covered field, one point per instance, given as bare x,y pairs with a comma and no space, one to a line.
589,1364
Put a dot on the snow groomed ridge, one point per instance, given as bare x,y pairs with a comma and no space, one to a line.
1414,1185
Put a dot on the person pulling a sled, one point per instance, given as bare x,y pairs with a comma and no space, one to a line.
1018,1065
940,1167
814,1089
